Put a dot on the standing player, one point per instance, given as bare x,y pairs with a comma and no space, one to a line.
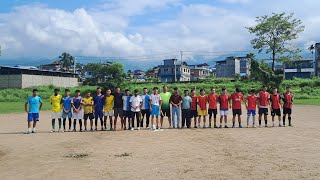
55,101
175,101
118,107
88,110
224,106
108,109
263,102
251,105
275,106
98,108
165,107
77,110
236,99
35,104
287,105
186,104
155,104
202,112
66,109
194,107
135,103
145,107
126,109
212,100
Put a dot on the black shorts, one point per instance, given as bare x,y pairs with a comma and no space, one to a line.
276,112
263,111
86,116
237,112
214,112
287,111
193,113
118,112
165,112
127,114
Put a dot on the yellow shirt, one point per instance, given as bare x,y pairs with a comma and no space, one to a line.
109,103
56,102
87,109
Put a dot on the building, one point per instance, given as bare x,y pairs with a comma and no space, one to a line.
153,73
170,71
233,66
317,60
55,66
15,77
199,71
299,69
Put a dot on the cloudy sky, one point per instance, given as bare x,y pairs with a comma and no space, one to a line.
140,30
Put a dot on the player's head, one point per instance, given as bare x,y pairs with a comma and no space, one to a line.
213,90
98,90
175,90
264,88
136,92
274,90
238,90
193,92
67,92
186,92
56,91
288,89
165,88
77,92
224,91
251,91
108,91
202,92
118,89
88,94
155,90
127,92
145,90
35,92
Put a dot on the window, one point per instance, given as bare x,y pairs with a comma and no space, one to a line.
177,69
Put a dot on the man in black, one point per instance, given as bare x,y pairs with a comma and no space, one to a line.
118,106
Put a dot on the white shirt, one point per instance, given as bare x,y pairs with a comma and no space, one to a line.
155,99
135,101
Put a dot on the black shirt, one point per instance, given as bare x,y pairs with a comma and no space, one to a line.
118,103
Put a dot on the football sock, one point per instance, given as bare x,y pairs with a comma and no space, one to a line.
29,129
284,120
253,119
259,122
70,123
265,122
248,119
74,124
59,123
53,123
34,129
64,123
80,123
289,118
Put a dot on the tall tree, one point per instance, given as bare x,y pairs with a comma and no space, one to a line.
66,61
274,35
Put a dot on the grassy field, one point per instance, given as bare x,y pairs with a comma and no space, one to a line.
307,91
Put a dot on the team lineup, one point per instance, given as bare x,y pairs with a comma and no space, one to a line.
142,108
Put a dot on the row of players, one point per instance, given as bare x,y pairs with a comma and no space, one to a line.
139,107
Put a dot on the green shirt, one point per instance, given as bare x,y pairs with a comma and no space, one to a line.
165,100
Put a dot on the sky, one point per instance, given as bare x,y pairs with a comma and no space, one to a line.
139,30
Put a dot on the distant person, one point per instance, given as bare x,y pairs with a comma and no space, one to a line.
251,105
223,100
186,104
236,99
145,108
127,113
98,108
275,106
55,101
202,111
118,107
77,110
155,104
108,110
165,107
135,103
66,109
213,100
88,110
263,102
287,105
176,101
35,104
194,107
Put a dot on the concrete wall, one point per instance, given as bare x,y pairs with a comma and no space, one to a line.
24,81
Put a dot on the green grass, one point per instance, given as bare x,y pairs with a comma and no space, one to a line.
12,107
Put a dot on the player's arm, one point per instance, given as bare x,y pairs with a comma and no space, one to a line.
180,102
26,106
246,103
40,105
150,107
230,102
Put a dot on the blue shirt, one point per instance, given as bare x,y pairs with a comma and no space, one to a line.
98,102
76,101
126,103
145,101
66,101
34,104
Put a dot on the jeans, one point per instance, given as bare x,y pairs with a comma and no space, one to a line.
147,113
186,119
176,111
137,116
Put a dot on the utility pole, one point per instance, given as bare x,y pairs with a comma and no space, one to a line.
74,65
181,54
175,70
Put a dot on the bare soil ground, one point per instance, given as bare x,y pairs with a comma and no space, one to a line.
260,153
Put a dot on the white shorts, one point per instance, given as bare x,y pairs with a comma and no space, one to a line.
78,115
55,115
108,113
224,112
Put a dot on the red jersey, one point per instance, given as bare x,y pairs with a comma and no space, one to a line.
263,99
236,100
288,100
224,101
194,103
213,99
202,100
252,102
275,101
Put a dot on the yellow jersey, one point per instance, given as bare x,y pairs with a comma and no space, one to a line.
87,109
55,101
109,103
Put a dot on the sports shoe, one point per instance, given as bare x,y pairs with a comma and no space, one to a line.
195,126
138,128
248,126
290,125
160,127
220,126
233,126
132,129
266,125
225,126
33,131
28,132
52,131
280,125
74,130
209,126
91,129
204,126
240,126
198,126
215,126
178,127
259,126
253,126
273,125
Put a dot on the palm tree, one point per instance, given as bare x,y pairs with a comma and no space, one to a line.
66,61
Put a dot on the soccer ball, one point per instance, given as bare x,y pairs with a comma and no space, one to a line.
154,127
